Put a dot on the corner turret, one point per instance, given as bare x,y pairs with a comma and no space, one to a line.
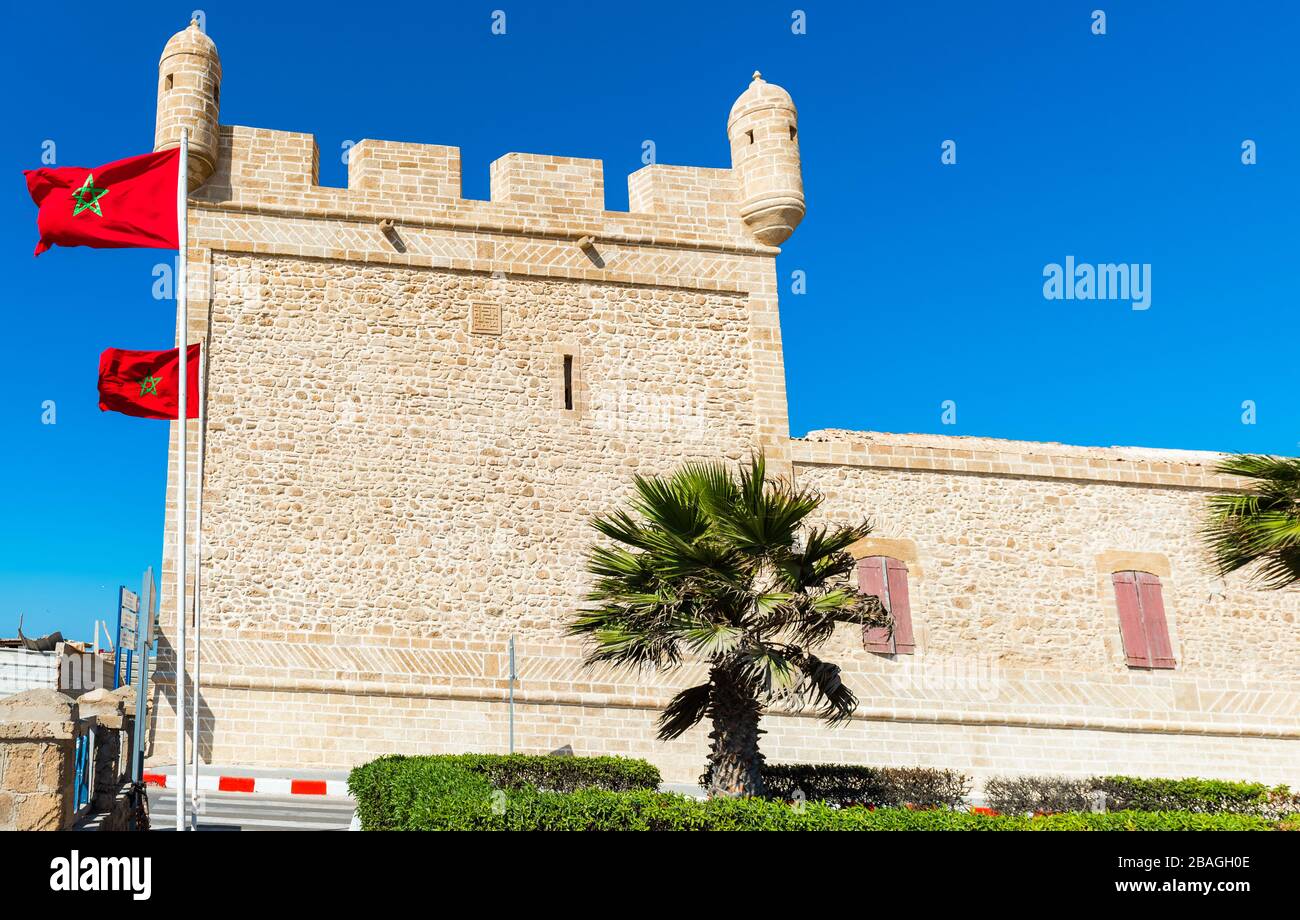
189,96
764,131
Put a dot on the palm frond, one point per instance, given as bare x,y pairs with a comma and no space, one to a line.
1261,526
684,711
619,526
810,618
760,517
825,554
824,689
616,562
709,482
1273,473
669,508
768,669
713,639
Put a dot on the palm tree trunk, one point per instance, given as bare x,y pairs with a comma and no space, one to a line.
735,762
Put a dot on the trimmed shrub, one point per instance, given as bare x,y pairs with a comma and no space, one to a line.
878,787
563,774
1031,795
1210,796
398,792
1048,794
596,810
455,793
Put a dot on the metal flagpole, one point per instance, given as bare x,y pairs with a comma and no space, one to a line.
182,460
198,575
512,694
143,630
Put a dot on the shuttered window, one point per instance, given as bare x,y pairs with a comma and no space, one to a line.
1142,622
886,578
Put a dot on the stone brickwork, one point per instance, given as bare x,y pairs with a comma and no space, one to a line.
420,173
561,185
417,476
1010,547
398,481
37,732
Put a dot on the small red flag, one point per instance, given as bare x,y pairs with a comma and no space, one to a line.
128,203
146,384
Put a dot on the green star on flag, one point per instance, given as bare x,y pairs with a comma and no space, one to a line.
87,197
150,385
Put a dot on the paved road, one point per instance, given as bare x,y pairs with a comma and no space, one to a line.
244,811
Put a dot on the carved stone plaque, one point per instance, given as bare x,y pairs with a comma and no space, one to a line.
485,318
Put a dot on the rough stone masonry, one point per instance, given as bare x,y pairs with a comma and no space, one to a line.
417,401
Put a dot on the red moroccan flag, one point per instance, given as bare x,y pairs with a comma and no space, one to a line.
146,384
128,203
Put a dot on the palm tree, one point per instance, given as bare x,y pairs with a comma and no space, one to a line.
1261,525
724,569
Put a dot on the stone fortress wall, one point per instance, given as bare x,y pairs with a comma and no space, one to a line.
417,401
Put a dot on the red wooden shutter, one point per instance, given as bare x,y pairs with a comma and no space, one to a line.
1134,635
1153,618
871,580
900,606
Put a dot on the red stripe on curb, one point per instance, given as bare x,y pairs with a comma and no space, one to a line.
249,784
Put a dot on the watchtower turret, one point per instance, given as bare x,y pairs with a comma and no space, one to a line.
764,132
189,96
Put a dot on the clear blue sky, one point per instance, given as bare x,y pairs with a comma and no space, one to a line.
924,280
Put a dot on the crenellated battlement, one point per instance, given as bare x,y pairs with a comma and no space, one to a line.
751,207
278,172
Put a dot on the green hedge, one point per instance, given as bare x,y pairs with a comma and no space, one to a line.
1027,794
563,774
386,790
597,810
1212,796
1018,795
458,793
